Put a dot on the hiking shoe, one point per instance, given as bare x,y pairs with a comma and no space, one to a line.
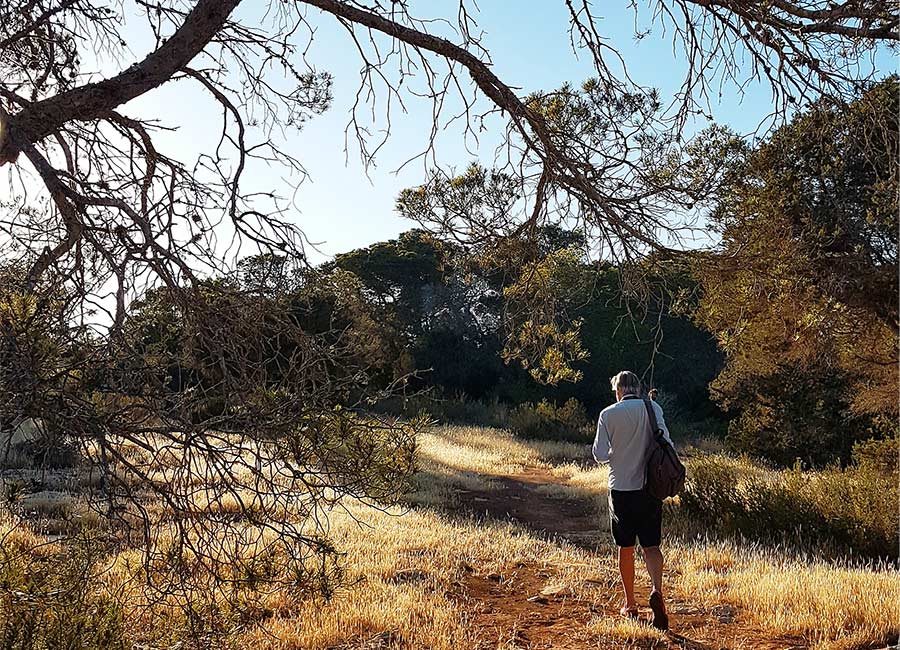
628,612
660,618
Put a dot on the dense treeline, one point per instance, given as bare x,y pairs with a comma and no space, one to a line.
430,315
785,335
450,315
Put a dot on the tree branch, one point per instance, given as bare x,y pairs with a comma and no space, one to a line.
94,100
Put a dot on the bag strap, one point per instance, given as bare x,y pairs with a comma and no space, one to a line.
654,425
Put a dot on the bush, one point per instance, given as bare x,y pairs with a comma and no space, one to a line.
853,510
883,455
797,414
544,420
45,454
547,421
455,410
683,425
52,599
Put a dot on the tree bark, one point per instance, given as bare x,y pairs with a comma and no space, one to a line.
91,101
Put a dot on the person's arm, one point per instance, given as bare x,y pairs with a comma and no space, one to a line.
661,423
601,442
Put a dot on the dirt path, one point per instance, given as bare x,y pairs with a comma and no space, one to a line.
521,609
519,499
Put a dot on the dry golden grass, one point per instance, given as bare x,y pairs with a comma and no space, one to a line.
616,631
56,512
830,606
398,616
468,458
17,539
400,571
492,451
403,567
581,482
812,599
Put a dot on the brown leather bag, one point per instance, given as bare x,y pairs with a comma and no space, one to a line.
665,472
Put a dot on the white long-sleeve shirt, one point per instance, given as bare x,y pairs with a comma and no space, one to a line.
623,440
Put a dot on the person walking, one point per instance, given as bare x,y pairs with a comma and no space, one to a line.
623,441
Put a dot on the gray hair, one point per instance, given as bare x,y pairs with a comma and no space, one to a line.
628,382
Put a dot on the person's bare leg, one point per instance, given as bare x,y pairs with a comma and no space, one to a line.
653,558
626,570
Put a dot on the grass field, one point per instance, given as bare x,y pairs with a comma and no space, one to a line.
502,544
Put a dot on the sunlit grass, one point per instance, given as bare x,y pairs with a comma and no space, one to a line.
616,631
405,567
809,598
492,451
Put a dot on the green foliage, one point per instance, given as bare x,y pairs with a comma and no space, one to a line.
806,275
547,421
268,274
258,337
584,120
334,304
52,598
454,410
802,296
881,453
430,300
483,200
554,319
396,271
544,420
543,339
793,414
646,332
44,364
849,511
567,323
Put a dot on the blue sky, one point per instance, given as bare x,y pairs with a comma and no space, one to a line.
338,206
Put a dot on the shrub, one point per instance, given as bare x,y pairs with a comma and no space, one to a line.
852,510
797,414
683,425
454,410
857,508
883,455
45,453
547,421
460,410
50,598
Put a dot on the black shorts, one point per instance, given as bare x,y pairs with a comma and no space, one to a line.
635,513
